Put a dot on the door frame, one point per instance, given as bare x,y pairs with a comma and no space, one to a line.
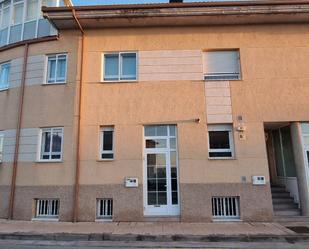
169,209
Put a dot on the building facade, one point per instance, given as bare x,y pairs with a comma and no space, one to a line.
193,112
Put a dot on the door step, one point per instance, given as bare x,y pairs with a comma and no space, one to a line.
162,219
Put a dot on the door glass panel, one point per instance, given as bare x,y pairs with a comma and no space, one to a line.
172,130
156,130
156,182
306,140
155,143
173,143
174,178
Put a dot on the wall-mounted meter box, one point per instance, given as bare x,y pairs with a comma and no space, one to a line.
131,182
258,180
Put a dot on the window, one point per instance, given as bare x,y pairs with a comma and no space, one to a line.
51,144
32,10
47,208
1,145
220,141
221,65
18,11
120,66
225,208
56,68
105,209
4,75
107,143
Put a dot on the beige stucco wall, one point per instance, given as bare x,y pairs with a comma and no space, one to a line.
44,106
273,89
273,73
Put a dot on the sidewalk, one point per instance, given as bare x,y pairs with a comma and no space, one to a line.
150,231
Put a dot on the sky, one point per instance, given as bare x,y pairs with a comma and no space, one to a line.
94,2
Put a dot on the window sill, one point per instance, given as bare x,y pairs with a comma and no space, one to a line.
223,80
45,219
103,220
218,220
49,161
106,160
222,158
119,81
4,89
54,83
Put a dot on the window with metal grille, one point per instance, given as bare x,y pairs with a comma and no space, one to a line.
225,207
105,208
47,208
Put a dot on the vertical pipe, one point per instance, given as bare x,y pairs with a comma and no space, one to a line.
77,169
18,129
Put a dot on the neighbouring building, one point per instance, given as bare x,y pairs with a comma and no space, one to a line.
178,111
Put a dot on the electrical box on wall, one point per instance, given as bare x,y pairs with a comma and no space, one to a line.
131,182
258,180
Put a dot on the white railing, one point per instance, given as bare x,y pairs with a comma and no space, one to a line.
225,208
47,208
104,208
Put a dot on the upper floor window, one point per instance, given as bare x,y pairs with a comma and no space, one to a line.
56,68
107,143
220,138
120,66
222,65
51,144
4,75
1,145
23,20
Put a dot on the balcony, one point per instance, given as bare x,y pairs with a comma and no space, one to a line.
22,20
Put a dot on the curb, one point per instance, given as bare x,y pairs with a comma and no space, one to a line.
154,238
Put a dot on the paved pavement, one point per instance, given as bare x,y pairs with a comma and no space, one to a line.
33,244
145,228
83,235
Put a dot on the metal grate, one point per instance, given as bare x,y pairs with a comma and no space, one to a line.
225,208
105,208
47,208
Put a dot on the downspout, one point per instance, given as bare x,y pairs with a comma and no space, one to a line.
18,129
77,169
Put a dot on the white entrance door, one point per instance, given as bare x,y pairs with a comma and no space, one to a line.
161,195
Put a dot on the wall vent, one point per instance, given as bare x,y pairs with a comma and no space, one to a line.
226,208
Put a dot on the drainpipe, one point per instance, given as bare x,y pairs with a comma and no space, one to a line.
18,129
77,169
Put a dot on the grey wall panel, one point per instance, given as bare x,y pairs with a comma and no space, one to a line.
28,145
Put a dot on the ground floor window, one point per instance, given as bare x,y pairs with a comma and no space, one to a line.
105,209
47,208
51,144
225,207
220,141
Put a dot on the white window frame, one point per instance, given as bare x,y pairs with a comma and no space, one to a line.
50,153
102,130
119,66
64,81
5,87
1,145
222,127
223,76
104,217
49,215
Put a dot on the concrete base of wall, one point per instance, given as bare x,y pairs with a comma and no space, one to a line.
255,201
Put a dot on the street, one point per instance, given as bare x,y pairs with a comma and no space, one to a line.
36,244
